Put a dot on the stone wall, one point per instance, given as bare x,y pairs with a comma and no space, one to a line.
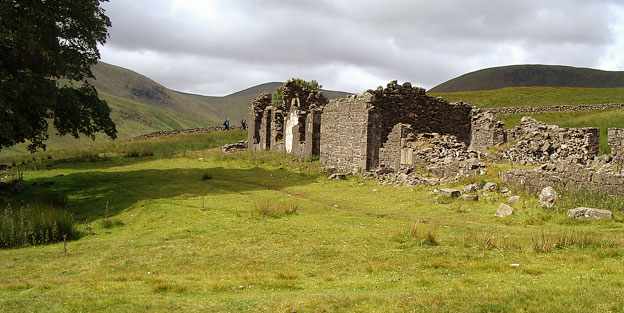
567,176
396,151
254,121
370,118
487,130
282,127
557,108
312,145
411,105
616,142
344,133
538,142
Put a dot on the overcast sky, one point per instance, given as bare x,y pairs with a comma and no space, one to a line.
219,47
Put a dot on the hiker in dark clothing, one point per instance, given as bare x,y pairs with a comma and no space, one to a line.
244,123
226,124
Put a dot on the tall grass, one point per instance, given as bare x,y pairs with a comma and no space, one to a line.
273,209
48,221
592,199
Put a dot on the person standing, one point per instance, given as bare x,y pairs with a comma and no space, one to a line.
226,124
244,123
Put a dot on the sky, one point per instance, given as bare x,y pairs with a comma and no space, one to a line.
213,47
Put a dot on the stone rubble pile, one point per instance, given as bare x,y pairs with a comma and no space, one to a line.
430,159
538,142
241,145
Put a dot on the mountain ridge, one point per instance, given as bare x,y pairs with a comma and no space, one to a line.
531,75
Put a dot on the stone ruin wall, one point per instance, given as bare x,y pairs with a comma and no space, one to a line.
368,120
603,174
616,142
283,128
567,176
344,133
386,126
486,131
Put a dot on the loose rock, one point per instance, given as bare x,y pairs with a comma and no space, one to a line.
448,192
470,188
504,210
490,186
547,197
513,199
470,197
338,176
583,213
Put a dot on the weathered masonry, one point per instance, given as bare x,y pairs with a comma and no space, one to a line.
349,133
354,129
292,126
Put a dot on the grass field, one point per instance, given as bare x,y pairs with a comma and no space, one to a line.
266,233
536,96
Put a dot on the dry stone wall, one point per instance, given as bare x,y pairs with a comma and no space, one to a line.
567,176
557,108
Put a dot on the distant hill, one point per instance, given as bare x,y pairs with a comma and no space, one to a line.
123,83
532,76
140,105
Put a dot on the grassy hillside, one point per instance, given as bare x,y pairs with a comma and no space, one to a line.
532,76
127,84
131,118
218,236
536,96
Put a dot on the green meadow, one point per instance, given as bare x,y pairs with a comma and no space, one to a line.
170,224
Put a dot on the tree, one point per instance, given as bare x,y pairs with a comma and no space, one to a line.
47,48
278,94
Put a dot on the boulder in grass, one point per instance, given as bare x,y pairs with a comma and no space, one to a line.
448,192
584,213
470,188
490,186
513,199
504,210
547,197
338,176
470,197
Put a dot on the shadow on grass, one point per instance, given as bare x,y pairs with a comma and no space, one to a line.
90,190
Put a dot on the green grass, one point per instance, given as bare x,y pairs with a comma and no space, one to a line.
536,96
191,244
600,119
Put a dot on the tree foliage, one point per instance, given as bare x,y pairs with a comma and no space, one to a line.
278,94
43,42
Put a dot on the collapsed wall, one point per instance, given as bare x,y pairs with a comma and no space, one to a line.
353,130
428,154
538,142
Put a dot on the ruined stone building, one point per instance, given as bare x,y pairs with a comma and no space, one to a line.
351,133
401,127
293,126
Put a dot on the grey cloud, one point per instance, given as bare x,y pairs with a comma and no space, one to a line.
426,42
